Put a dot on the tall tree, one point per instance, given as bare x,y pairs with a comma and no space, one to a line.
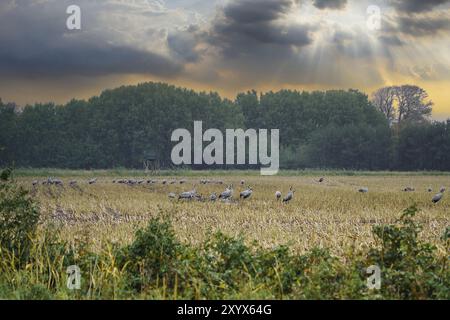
8,131
383,99
413,104
405,103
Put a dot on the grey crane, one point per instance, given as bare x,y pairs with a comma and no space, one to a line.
92,181
289,196
227,194
246,193
278,195
72,183
321,180
35,182
213,197
131,182
409,189
438,197
442,190
363,190
172,195
188,194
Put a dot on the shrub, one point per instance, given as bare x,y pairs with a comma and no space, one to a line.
19,217
410,268
152,258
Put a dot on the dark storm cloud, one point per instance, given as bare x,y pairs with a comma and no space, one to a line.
400,29
330,4
256,42
251,11
417,5
89,59
252,26
183,44
423,26
35,42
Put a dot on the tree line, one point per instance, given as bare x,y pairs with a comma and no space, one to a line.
333,129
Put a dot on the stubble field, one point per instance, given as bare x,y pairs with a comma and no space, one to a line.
331,214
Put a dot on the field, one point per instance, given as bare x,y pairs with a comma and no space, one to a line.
331,214
133,241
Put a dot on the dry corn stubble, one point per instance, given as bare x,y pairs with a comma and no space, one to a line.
329,214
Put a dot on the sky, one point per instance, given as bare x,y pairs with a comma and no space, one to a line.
228,46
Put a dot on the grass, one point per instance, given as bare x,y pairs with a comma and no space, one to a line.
122,172
331,216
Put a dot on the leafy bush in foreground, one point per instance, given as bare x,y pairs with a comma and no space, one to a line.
18,218
409,266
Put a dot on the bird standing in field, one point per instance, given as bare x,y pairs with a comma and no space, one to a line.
92,181
188,195
289,196
246,193
213,197
321,180
35,182
172,195
442,190
438,197
227,194
363,190
278,195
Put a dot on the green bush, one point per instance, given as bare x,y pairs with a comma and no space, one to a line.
410,268
19,217
153,256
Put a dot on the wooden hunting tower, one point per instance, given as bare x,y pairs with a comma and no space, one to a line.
151,161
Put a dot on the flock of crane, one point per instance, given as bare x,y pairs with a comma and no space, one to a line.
225,196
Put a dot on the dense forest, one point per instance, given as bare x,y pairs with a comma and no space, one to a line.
330,129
